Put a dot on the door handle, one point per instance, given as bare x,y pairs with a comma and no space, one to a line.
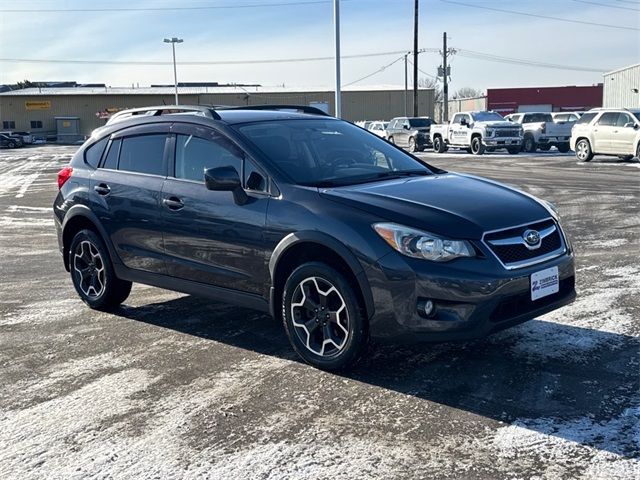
173,203
102,189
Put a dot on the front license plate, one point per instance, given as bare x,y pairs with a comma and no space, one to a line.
544,282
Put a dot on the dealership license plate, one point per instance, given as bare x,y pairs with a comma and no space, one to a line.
544,283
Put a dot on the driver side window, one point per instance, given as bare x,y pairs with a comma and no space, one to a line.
194,155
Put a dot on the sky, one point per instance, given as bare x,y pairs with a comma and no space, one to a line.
270,29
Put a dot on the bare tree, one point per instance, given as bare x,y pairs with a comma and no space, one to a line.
426,82
467,92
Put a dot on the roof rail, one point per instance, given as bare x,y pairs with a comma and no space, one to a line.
293,108
164,110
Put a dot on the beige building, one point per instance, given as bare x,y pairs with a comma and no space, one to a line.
86,108
622,88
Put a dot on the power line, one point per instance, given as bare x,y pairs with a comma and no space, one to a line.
607,5
381,69
520,61
194,63
423,72
165,9
546,17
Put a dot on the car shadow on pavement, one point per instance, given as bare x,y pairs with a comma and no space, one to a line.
574,383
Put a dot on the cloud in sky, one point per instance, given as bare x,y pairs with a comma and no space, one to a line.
301,31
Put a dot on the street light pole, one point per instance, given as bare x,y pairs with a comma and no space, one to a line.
336,24
173,42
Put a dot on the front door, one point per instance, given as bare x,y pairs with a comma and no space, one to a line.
125,195
209,238
603,132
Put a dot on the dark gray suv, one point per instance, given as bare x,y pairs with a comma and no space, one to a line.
410,132
334,231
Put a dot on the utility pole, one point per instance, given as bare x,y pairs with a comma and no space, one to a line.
444,71
336,24
406,82
445,79
415,59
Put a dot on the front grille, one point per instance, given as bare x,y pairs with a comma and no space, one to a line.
516,252
506,132
521,303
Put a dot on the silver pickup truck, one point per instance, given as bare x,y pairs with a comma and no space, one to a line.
542,132
477,132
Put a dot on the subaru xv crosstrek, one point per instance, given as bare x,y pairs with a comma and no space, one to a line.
341,235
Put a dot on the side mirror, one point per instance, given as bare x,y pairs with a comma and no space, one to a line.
406,127
464,122
225,179
630,125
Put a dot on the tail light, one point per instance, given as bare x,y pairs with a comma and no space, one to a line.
64,175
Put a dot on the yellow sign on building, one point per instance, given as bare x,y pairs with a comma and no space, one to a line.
37,105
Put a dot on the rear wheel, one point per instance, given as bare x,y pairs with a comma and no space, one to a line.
513,150
529,144
92,272
477,148
583,150
438,145
323,319
563,147
544,148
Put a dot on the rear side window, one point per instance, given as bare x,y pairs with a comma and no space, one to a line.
143,154
586,118
111,161
608,119
194,155
93,154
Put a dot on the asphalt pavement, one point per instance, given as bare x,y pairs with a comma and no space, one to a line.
174,386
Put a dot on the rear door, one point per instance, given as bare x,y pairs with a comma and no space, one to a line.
125,195
623,137
603,132
208,237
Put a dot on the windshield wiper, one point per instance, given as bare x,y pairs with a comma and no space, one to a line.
341,182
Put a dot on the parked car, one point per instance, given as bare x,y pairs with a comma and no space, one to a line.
16,137
410,132
9,142
364,124
27,138
570,117
540,131
379,128
604,131
477,132
336,232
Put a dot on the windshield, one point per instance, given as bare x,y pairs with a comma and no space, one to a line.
329,152
487,117
420,122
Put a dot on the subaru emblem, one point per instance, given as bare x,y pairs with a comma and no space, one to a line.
531,237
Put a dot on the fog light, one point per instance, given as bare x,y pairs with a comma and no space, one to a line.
426,308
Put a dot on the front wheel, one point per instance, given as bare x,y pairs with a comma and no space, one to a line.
391,140
513,150
92,273
412,145
323,319
438,145
477,148
583,150
563,147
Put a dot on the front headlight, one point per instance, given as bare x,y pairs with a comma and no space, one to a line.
418,244
489,132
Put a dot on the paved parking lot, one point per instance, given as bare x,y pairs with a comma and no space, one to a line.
173,386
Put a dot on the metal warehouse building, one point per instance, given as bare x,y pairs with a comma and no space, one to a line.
79,110
622,88
544,99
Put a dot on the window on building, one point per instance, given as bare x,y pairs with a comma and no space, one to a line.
36,123
143,154
194,155
8,124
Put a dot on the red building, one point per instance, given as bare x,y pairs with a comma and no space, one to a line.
544,99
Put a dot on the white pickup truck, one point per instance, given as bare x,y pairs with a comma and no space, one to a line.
540,131
477,132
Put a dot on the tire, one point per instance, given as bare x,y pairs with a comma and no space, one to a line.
438,145
477,148
638,150
412,145
391,140
336,341
11,145
513,150
583,150
563,147
92,273
529,144
544,148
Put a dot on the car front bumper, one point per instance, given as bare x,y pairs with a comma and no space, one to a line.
502,142
470,302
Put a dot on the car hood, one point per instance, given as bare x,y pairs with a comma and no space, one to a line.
498,124
452,205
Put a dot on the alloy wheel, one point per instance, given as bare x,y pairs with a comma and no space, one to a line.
320,317
582,150
90,270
